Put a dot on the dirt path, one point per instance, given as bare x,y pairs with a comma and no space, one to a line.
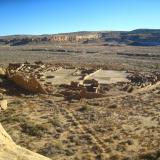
83,128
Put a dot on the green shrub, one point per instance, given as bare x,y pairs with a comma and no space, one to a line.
33,129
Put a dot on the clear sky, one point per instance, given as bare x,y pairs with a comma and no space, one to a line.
56,16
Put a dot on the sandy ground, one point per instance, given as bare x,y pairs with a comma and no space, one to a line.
62,76
104,55
109,76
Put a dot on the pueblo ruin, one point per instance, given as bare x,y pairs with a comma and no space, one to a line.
84,82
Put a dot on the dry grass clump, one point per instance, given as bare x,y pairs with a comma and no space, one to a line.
55,120
33,129
52,149
152,155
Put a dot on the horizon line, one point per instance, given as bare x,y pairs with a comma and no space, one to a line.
57,33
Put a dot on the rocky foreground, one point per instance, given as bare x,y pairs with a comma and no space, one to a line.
10,151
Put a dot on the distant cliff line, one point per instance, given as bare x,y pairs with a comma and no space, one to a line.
139,37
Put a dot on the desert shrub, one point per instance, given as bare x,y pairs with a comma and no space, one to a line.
33,129
153,155
55,121
69,152
1,80
116,156
9,116
113,106
16,103
84,108
88,156
52,149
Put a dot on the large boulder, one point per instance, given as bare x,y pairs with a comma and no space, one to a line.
28,83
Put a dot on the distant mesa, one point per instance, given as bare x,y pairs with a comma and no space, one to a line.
139,37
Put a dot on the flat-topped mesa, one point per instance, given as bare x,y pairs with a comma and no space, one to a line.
15,41
73,38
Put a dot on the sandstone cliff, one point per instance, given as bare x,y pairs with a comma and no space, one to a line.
140,37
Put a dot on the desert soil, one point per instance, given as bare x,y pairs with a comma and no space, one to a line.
120,125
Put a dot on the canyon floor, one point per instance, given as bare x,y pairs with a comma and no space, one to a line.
122,124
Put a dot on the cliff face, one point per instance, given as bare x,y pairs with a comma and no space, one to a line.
22,40
136,37
10,151
73,38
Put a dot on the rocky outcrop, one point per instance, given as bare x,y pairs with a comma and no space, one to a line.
28,83
3,104
2,72
24,80
10,151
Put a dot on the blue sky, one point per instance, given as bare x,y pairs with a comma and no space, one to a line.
56,16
